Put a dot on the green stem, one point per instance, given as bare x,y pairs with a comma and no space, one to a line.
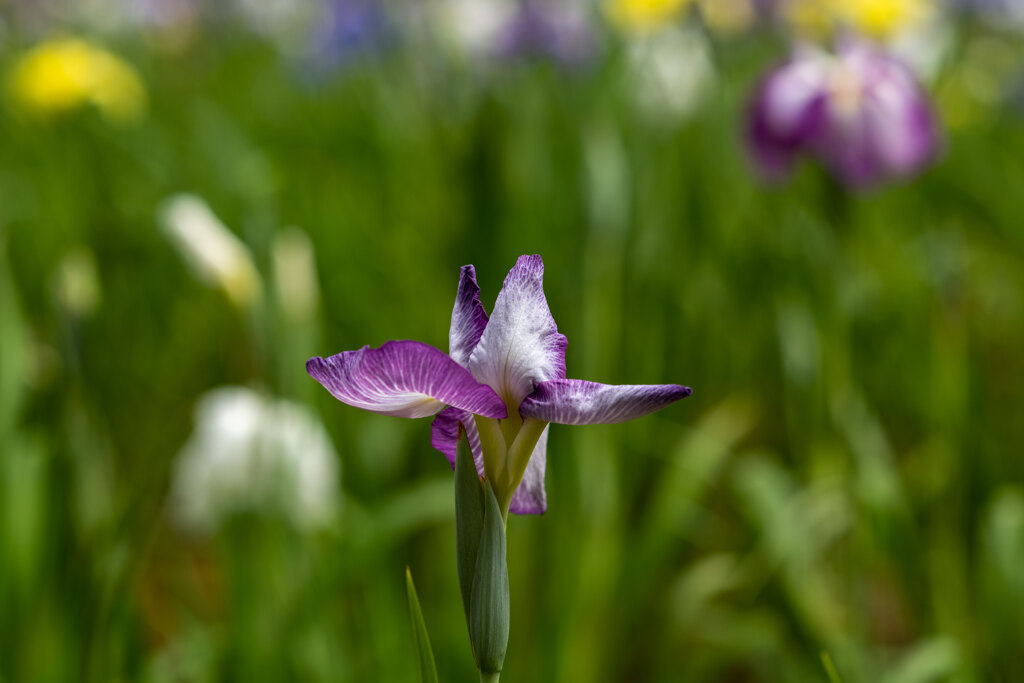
489,678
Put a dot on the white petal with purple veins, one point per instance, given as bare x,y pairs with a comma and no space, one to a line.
578,402
520,346
405,379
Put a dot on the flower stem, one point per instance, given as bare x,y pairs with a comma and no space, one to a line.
489,678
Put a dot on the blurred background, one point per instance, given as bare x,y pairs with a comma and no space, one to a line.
826,242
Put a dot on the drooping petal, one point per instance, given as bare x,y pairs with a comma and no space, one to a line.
787,113
444,435
529,498
578,402
520,346
899,119
468,318
405,379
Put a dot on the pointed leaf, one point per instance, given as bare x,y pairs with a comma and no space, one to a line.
428,671
830,668
489,608
469,517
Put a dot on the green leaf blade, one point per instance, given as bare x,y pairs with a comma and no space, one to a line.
425,655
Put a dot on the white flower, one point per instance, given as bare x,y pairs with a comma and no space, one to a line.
250,452
471,26
671,72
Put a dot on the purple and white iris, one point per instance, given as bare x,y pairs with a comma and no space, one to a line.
503,380
860,111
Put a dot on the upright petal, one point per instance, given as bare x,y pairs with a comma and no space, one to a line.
578,402
405,379
468,318
520,346
529,498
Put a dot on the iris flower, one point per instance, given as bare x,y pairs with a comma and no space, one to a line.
503,379
860,111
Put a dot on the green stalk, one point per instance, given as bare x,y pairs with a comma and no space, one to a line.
489,678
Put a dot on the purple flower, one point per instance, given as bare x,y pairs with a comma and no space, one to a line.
503,379
860,112
346,30
547,29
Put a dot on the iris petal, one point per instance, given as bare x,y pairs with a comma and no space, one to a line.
578,402
520,346
468,318
405,379
530,497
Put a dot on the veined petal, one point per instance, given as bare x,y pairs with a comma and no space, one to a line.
468,318
405,379
578,402
529,498
520,346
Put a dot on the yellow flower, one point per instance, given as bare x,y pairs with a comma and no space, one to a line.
64,74
876,18
728,17
641,16
881,18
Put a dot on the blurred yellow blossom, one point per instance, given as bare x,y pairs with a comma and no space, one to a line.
66,73
876,18
728,16
641,16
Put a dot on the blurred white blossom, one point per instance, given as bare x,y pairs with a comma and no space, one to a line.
472,26
671,72
215,254
250,452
